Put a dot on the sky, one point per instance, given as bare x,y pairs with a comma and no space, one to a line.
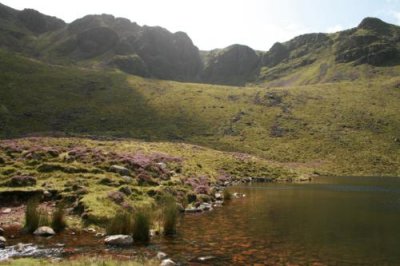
218,23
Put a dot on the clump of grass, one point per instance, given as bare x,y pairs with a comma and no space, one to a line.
58,222
227,195
121,223
169,215
141,226
32,215
44,218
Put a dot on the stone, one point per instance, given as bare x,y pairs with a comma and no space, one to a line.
22,181
162,165
90,230
120,170
1,231
44,231
3,242
154,232
205,206
161,255
206,258
47,194
193,210
167,262
218,196
127,179
118,240
6,211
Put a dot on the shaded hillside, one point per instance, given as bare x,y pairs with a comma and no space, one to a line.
340,128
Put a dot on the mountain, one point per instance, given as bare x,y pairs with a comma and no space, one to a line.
321,58
327,103
106,42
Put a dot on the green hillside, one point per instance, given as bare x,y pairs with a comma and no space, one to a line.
334,128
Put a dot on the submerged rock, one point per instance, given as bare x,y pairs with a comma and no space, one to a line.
118,240
167,262
44,231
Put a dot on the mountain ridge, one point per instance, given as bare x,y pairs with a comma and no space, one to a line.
105,41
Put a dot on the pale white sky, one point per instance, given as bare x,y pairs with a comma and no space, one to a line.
219,23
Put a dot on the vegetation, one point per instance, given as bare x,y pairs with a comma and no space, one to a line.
58,222
169,215
32,215
344,128
121,223
141,226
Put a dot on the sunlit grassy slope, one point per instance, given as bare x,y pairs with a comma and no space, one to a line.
334,128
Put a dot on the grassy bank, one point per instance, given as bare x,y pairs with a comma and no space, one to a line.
99,178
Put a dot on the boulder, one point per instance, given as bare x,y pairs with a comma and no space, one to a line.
22,181
167,262
2,242
44,231
120,170
118,240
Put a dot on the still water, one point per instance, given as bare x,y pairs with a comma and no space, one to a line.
331,221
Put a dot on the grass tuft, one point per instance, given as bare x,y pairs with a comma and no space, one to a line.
32,215
141,226
169,215
58,222
121,223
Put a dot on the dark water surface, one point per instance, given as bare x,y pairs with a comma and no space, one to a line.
331,221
